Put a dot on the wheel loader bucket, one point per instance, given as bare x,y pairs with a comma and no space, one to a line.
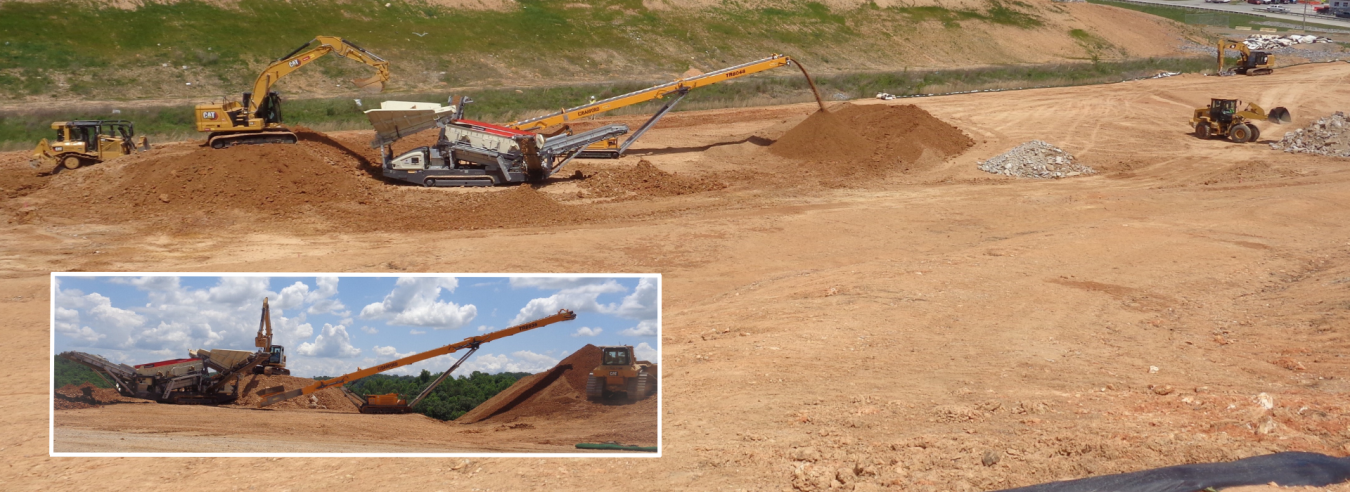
1279,116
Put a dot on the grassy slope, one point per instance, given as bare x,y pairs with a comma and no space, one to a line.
75,49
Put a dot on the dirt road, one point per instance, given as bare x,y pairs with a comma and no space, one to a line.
938,329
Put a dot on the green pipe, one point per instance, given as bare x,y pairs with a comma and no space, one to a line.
616,447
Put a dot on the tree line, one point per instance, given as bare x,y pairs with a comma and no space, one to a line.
454,397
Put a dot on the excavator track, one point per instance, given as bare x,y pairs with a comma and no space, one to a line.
220,141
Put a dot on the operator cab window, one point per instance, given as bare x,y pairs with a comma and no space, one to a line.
616,357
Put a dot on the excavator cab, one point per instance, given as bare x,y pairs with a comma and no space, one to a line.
278,355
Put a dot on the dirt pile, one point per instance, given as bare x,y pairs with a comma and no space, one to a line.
871,140
330,399
547,392
1328,136
325,183
71,397
645,180
1036,159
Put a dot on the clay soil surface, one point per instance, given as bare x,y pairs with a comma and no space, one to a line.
898,331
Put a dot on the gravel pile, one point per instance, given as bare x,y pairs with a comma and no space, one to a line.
1326,136
1036,159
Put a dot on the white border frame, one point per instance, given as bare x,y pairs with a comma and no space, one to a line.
51,369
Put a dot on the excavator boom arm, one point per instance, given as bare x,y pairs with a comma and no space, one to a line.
660,91
300,58
562,315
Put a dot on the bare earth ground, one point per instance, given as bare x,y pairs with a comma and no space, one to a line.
893,332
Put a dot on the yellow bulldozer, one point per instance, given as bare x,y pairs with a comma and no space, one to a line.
621,372
83,142
1222,118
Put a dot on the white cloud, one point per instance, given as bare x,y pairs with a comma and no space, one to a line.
333,341
148,283
645,328
645,352
518,361
587,332
369,330
84,334
413,302
641,304
239,289
390,352
582,298
291,297
553,283
416,332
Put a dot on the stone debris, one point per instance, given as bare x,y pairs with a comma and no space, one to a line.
1266,42
1036,159
1327,136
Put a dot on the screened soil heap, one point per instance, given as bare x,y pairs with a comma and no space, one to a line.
870,140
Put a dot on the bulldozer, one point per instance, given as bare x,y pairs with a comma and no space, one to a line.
621,372
1249,62
1222,118
275,364
82,142
256,119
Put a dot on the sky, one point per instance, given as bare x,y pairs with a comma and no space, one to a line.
332,325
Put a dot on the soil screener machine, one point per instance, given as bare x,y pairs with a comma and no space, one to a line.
474,153
208,377
391,403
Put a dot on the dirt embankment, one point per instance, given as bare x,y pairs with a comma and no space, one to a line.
73,397
855,142
645,180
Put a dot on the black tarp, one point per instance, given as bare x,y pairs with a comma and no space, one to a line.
1286,469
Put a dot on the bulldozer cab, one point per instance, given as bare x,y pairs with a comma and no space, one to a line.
617,356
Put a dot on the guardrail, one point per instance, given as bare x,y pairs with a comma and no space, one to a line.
1319,17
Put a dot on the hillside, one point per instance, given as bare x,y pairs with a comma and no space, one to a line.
204,49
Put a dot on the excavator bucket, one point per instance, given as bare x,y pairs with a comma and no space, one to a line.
1279,116
374,83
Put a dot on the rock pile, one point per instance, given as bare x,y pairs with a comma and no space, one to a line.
1326,136
1036,159
1266,42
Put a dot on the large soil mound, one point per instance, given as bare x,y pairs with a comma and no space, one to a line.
331,399
320,182
857,141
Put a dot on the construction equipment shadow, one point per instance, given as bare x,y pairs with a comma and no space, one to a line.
754,139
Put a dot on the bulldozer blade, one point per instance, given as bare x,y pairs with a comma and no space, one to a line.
1279,116
272,390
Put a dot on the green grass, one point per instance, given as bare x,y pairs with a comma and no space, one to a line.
22,129
106,51
68,372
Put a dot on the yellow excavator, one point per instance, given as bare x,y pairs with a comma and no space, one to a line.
257,118
391,403
276,360
556,123
1249,62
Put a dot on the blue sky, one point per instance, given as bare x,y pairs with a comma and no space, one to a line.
332,325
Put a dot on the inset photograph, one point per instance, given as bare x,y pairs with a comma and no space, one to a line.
320,364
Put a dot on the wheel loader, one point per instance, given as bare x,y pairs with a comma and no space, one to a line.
83,142
621,372
1222,118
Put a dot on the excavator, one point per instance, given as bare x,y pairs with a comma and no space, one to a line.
391,403
276,360
257,118
1249,62
474,153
